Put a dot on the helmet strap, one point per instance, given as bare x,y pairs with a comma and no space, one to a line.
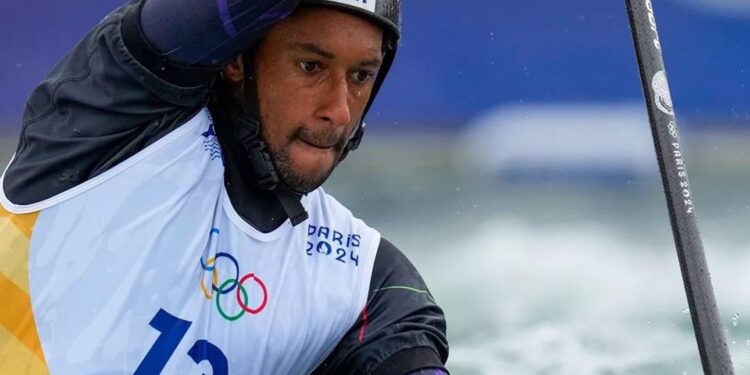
247,132
354,141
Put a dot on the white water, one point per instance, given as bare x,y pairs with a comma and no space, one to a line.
560,279
575,298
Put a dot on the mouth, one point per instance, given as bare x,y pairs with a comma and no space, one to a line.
320,140
317,145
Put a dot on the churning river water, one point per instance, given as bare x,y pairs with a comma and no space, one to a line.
560,278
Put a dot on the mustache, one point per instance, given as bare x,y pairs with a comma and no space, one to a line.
324,138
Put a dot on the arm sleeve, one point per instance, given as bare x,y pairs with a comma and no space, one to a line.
114,93
209,32
400,330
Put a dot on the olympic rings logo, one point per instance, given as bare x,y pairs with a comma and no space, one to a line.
228,286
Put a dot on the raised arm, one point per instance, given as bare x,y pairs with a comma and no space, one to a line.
143,71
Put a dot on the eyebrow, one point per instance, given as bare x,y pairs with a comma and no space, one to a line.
373,63
312,48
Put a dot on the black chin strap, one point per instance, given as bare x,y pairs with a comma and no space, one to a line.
290,201
247,133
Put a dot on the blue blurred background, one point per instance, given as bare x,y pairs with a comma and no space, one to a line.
458,58
509,156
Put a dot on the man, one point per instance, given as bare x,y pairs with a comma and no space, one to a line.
163,211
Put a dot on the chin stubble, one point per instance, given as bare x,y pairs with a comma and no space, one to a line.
293,178
281,159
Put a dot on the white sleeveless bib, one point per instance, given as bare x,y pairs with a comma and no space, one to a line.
148,269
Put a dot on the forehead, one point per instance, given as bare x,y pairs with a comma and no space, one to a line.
321,24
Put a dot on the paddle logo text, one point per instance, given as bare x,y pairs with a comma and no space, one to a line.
652,23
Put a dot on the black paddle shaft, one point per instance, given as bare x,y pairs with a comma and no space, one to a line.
670,154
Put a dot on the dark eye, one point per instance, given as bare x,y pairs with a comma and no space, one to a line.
309,66
362,76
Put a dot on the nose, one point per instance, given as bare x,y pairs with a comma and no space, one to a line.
334,105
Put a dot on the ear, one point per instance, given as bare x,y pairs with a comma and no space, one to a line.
234,71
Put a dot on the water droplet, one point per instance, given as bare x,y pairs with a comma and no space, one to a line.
735,318
747,342
685,310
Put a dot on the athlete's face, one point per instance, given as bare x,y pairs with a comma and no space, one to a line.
315,74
